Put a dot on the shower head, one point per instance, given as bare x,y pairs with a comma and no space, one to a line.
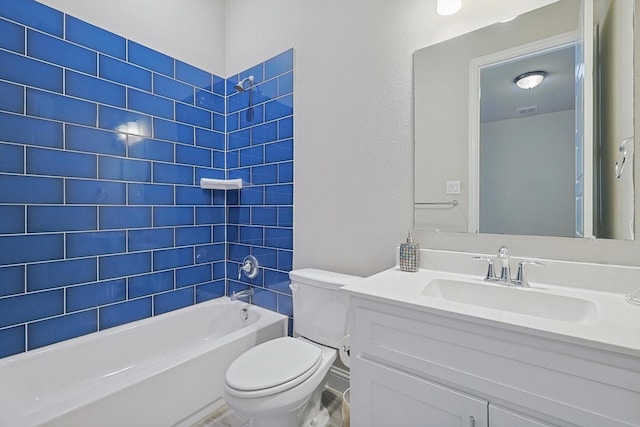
240,86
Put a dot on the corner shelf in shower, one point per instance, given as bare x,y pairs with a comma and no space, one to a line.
220,184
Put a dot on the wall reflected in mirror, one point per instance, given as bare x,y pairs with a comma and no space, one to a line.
528,162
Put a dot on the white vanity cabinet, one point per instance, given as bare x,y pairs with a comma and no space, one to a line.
420,366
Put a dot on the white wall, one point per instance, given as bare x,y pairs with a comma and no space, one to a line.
189,30
527,175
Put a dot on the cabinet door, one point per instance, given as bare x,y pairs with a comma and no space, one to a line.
384,397
501,417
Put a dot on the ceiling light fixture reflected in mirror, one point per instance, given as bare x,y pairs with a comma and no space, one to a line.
530,79
448,7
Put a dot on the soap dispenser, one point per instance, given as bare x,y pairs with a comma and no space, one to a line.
409,255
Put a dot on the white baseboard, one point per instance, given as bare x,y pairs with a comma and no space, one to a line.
338,379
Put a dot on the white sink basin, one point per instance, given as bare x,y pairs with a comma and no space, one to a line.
515,300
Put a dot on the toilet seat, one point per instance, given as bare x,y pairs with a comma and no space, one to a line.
289,362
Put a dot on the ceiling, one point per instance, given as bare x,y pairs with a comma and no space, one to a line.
501,98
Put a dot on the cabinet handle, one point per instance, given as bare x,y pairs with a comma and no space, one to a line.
472,422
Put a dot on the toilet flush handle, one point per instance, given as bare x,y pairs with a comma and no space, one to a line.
294,287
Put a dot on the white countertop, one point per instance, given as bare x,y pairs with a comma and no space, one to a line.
616,326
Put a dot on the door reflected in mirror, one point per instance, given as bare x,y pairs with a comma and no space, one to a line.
527,148
537,161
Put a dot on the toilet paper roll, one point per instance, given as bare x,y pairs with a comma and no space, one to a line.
344,350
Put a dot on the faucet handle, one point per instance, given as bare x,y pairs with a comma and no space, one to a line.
249,266
491,274
520,280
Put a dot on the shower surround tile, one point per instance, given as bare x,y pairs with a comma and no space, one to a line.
259,216
103,142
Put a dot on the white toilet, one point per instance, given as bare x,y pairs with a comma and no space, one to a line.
279,383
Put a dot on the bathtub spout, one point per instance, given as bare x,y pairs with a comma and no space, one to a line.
247,293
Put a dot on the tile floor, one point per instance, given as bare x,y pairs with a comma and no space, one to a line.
225,417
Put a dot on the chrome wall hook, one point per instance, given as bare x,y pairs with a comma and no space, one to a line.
623,149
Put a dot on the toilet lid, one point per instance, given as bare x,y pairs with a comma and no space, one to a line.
273,363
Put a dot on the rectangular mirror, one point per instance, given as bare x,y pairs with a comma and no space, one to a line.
554,160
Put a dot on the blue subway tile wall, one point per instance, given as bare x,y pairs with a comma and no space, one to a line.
103,142
260,151
94,161
93,37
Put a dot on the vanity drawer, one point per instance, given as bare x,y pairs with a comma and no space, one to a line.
573,385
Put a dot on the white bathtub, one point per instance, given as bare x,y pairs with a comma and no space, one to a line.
162,371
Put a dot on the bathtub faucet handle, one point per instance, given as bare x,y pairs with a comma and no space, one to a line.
249,266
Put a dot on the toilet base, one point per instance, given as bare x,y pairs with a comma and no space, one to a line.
322,419
310,414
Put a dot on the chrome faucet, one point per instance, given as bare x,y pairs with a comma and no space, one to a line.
505,269
235,296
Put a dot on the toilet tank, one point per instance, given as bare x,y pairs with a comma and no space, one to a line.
319,307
